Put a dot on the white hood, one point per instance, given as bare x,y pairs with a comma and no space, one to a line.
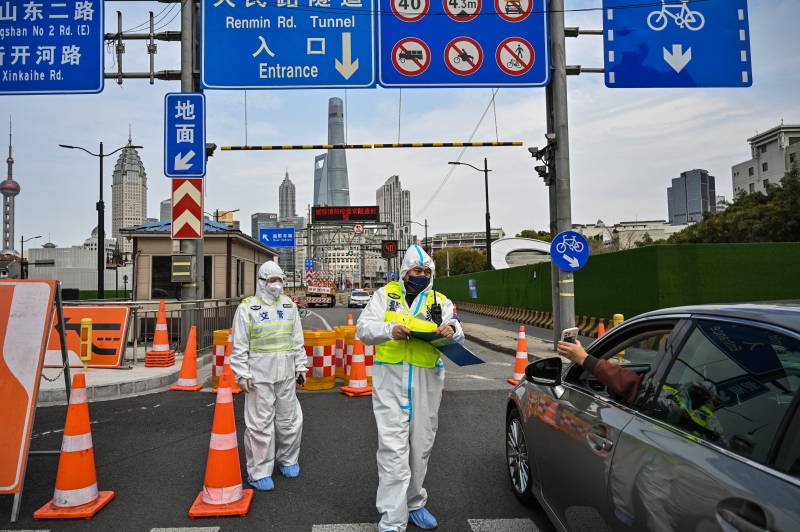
416,256
267,270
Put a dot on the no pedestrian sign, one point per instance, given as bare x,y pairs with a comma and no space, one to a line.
463,43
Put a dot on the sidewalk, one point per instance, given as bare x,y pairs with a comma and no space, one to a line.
108,384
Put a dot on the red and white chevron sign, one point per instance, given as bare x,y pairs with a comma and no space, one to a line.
187,208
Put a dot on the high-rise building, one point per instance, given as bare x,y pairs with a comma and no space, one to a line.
691,196
262,220
773,154
10,189
331,186
394,206
165,210
128,194
286,199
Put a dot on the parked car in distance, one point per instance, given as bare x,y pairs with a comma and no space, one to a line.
711,440
358,298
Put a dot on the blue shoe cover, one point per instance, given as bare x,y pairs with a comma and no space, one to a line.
290,471
262,484
423,519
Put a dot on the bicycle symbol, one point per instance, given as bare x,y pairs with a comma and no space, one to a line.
570,242
680,12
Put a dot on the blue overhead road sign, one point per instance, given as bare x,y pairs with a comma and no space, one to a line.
569,250
677,43
277,237
51,47
284,44
184,134
463,43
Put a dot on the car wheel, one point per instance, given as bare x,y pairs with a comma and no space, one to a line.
519,469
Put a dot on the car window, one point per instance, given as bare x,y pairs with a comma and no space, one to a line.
788,459
732,384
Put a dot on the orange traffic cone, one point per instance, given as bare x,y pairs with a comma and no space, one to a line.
350,319
222,490
358,385
601,329
226,365
187,379
161,356
521,360
76,495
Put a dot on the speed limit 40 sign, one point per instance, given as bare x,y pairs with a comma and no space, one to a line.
410,10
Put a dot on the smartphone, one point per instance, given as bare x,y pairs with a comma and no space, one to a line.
569,335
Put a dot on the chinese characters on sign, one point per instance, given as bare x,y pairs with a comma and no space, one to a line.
184,135
344,214
277,44
277,237
51,46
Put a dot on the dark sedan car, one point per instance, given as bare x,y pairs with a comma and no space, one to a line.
710,442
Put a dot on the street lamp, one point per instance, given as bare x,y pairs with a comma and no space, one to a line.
424,240
485,171
101,232
22,241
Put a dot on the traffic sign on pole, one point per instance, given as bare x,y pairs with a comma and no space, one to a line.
187,209
443,43
569,251
51,47
677,43
282,44
184,134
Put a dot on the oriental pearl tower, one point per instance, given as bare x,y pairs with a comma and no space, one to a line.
9,189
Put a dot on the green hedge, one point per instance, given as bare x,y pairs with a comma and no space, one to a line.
110,294
638,280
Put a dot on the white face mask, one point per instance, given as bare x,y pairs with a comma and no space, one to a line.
275,289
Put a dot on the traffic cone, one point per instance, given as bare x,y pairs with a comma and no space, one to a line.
226,365
358,385
521,360
187,378
350,319
76,495
161,356
222,490
601,329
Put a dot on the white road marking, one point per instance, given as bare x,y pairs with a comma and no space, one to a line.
347,527
187,529
323,320
502,525
28,530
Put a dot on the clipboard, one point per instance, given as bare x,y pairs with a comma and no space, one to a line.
449,348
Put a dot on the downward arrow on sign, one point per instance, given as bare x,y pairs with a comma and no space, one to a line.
677,59
573,262
182,161
346,67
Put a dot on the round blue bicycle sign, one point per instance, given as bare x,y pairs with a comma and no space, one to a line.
569,251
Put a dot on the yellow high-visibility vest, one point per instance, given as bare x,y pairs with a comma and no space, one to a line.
269,336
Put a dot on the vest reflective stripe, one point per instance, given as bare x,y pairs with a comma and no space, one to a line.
271,336
415,352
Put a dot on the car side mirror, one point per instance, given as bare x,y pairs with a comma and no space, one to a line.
546,371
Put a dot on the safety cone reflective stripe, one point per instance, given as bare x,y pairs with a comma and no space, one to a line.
76,495
521,360
222,492
161,355
358,385
350,319
187,379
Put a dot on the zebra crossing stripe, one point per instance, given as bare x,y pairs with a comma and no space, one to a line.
347,527
502,525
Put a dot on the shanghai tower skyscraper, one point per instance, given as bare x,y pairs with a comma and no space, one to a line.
331,185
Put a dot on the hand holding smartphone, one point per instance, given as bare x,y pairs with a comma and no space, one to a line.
569,335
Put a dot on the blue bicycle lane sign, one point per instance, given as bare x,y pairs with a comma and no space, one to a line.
569,250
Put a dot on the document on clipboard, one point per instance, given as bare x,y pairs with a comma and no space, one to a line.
449,348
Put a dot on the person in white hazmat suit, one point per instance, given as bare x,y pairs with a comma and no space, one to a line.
407,383
268,358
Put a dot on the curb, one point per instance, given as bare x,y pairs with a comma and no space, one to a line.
121,390
502,349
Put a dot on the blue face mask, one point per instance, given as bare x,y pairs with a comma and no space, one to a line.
417,284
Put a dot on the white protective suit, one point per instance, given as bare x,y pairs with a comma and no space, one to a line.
272,406
405,401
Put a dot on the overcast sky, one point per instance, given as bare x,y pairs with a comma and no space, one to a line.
625,144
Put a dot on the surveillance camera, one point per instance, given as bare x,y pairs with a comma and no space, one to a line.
541,170
551,137
534,151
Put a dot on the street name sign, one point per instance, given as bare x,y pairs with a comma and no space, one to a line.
677,43
463,43
51,47
277,237
284,44
309,264
569,251
184,134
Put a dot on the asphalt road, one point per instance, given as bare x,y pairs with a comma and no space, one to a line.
152,450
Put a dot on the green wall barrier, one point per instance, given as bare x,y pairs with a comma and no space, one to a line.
638,280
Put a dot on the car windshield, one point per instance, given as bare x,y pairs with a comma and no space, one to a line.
360,293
